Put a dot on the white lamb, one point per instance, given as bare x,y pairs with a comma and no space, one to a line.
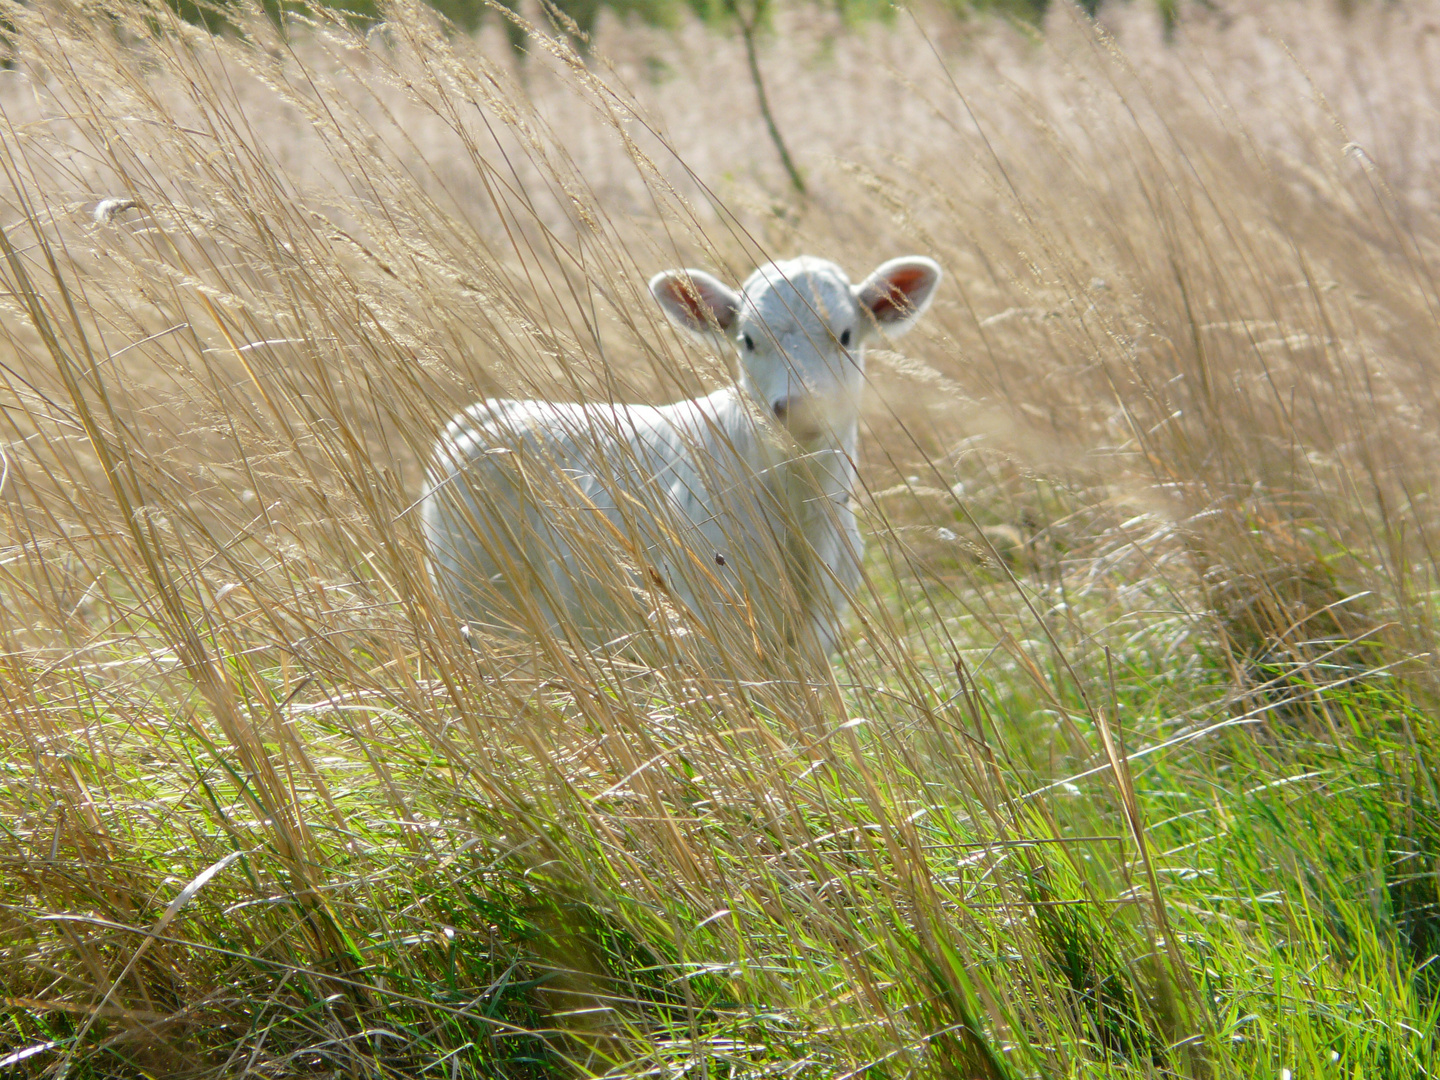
732,510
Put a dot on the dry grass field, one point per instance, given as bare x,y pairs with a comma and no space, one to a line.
1127,763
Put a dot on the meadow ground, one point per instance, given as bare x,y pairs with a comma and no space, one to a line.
1127,764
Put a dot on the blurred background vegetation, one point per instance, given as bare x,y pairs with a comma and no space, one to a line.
578,18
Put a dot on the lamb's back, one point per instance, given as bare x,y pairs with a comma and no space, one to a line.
573,503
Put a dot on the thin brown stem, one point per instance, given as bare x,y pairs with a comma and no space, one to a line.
747,35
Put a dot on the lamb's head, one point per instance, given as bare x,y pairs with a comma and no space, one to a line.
800,329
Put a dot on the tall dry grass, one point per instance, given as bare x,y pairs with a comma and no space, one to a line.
1149,490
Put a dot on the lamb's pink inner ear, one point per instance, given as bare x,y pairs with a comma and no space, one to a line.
682,293
694,301
895,301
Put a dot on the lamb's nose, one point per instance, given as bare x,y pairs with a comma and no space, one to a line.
797,414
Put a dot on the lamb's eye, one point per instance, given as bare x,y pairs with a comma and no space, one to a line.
749,343
845,337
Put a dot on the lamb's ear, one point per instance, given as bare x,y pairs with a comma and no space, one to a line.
696,301
898,292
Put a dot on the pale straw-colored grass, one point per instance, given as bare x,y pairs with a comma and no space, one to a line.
1153,475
